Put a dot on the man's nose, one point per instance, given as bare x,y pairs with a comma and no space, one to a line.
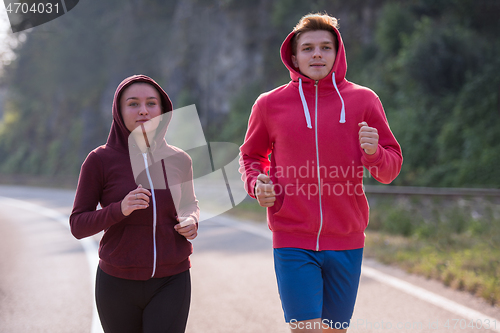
317,52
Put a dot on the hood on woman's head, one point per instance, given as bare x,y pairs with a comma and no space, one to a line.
165,100
118,135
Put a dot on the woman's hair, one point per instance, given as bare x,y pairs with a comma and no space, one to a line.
313,22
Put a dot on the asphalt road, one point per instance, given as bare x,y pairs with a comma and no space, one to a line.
46,279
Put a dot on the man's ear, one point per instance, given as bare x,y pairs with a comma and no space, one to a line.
294,61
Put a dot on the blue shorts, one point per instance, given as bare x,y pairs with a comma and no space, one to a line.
320,284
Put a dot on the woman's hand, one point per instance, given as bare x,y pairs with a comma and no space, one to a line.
187,227
136,199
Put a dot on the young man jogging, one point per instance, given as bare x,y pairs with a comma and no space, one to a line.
319,130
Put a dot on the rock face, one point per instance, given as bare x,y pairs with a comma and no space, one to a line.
214,53
217,49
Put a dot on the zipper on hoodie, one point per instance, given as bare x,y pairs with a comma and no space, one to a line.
145,156
317,164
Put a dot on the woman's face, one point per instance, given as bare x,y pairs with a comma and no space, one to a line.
139,103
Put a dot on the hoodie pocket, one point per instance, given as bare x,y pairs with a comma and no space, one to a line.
299,210
133,248
345,209
172,248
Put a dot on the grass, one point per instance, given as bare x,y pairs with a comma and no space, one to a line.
249,209
464,266
453,240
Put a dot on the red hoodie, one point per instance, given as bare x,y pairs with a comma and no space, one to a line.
143,244
316,165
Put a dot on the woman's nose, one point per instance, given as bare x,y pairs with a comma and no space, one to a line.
143,110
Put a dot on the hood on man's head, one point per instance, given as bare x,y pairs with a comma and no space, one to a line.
339,67
335,78
118,134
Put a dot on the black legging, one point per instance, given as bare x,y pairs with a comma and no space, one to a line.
153,306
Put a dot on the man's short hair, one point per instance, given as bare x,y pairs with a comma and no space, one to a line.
313,22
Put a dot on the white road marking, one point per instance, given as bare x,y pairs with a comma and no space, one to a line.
90,246
430,297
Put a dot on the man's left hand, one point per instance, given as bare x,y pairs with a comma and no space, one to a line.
368,138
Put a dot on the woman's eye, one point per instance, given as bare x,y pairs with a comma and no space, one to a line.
133,104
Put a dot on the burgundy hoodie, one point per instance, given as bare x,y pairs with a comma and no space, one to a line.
143,244
310,128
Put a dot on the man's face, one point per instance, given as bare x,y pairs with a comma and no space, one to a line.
315,54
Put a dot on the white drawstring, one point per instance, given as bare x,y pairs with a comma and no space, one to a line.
306,109
304,105
144,155
342,112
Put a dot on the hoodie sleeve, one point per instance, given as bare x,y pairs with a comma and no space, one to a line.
255,150
386,163
188,206
85,220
